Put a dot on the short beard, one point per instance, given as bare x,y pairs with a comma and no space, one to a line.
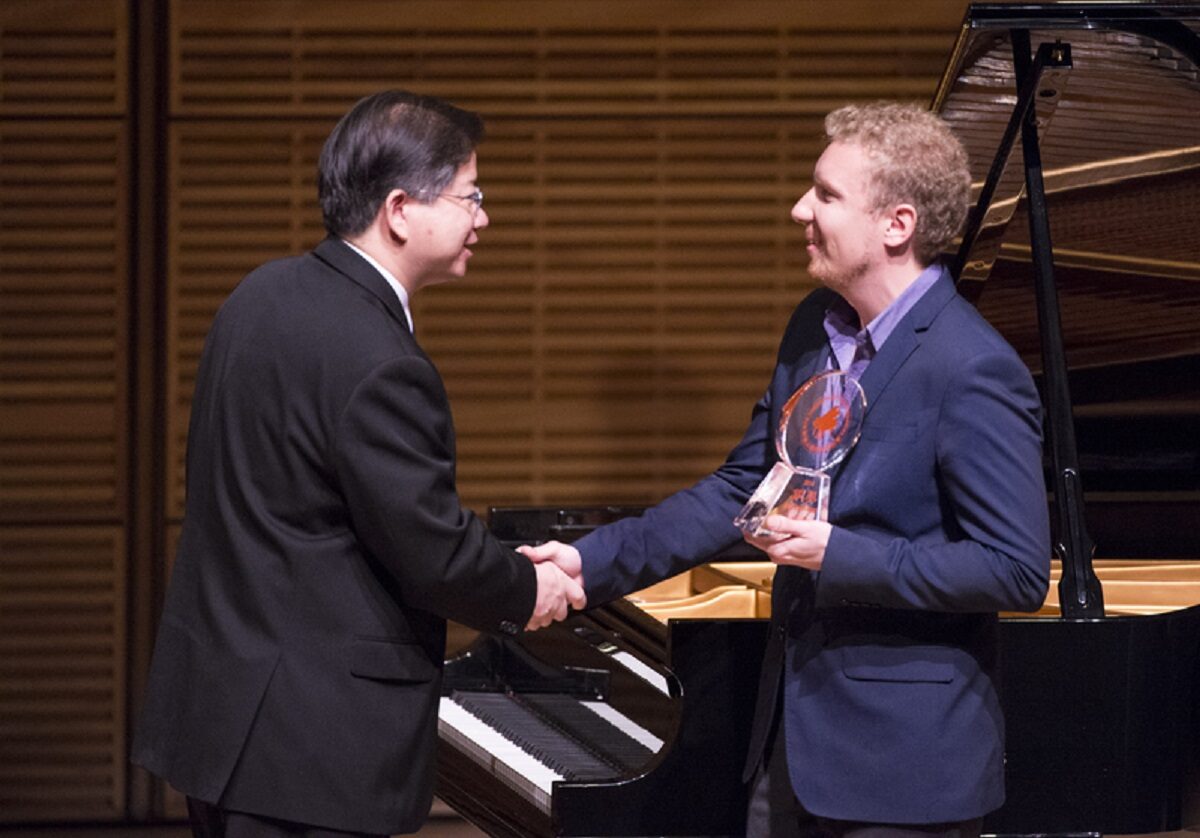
837,280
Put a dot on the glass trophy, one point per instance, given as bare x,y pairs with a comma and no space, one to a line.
817,428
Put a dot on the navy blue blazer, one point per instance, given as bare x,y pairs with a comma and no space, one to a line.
886,658
297,668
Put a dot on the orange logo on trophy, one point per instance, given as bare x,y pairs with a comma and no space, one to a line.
817,428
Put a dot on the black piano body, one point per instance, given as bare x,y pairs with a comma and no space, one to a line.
688,684
1084,251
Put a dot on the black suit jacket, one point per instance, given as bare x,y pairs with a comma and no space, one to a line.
297,668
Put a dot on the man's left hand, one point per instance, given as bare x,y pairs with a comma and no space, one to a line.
799,543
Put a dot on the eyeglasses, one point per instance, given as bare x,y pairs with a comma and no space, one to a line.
475,198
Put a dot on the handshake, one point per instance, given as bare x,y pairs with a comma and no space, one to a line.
559,582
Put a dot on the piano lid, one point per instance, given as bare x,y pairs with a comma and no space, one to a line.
1120,145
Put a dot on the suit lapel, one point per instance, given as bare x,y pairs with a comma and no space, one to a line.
905,339
806,353
885,367
809,364
339,256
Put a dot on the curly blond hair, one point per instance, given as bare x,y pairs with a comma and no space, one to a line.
916,160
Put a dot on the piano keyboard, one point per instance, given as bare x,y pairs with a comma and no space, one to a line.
530,740
505,759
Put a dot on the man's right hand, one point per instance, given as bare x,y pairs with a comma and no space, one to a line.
556,593
564,555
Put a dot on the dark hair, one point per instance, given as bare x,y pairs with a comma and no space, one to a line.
391,140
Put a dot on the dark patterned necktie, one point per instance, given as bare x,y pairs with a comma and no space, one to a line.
864,351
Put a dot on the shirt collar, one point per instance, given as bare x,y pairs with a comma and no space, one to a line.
887,320
841,321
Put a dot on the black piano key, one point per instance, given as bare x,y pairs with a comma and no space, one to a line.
608,741
541,738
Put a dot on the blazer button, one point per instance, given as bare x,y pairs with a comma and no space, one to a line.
509,627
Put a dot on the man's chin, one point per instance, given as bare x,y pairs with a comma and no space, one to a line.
837,281
820,272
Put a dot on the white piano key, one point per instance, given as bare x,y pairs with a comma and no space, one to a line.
625,724
643,671
496,752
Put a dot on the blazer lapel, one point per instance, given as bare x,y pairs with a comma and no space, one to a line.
339,256
809,364
905,339
807,351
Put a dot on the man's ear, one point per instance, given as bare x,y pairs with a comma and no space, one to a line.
901,225
394,214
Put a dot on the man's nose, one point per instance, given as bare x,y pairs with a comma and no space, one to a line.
801,213
481,218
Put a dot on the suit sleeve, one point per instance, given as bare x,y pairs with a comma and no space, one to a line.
693,524
988,450
395,461
681,531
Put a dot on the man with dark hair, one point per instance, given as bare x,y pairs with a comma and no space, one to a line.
877,708
296,674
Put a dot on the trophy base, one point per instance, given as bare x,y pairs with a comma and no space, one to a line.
800,494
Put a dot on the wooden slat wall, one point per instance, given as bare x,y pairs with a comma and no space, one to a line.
622,311
63,392
62,257
62,671
610,345
618,321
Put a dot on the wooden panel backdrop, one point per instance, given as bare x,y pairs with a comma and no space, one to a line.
63,391
618,321
623,307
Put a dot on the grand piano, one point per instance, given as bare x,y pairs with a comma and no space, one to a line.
1083,124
